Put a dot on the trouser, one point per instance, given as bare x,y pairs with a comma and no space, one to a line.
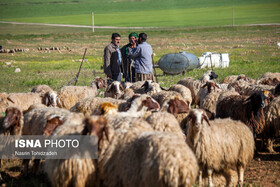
144,77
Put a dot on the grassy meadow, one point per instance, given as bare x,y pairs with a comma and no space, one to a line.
252,50
145,13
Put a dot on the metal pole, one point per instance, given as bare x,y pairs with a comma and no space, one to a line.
80,67
92,21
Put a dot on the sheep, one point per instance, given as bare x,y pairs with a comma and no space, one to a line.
272,120
269,78
35,120
137,87
76,172
207,76
127,94
245,88
165,122
184,91
3,102
210,101
24,100
114,90
70,95
193,85
233,78
164,95
41,89
149,159
249,110
151,87
43,121
137,107
12,122
219,144
91,105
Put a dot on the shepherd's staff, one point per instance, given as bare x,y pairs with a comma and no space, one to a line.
154,67
77,76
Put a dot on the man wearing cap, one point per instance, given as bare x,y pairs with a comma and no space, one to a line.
128,69
112,58
142,56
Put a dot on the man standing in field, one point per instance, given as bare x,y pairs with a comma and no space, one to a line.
112,58
128,69
142,55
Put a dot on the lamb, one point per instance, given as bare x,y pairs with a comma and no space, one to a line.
219,144
3,102
208,75
151,87
184,91
114,90
272,120
149,159
193,85
162,96
246,109
99,83
269,78
137,87
76,172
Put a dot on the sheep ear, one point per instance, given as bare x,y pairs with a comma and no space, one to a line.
204,86
206,118
52,123
121,87
188,119
58,101
10,100
47,99
172,109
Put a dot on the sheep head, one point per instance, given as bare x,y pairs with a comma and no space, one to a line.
177,106
108,108
99,82
51,99
53,122
147,85
13,120
196,118
115,89
96,125
211,86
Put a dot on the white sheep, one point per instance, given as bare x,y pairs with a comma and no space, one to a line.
219,144
12,122
41,89
75,171
24,100
149,159
233,78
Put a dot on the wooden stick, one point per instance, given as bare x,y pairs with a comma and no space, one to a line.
77,76
154,67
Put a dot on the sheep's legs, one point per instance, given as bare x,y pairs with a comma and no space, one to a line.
240,175
210,182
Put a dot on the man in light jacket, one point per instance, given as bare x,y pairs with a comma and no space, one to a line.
142,56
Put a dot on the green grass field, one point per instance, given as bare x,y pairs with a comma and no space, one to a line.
147,13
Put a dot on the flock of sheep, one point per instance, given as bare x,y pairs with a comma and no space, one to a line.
195,131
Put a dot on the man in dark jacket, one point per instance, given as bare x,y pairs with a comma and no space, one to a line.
128,70
112,58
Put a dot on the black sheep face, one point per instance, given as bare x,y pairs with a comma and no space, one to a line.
213,75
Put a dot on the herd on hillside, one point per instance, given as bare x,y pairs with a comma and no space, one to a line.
196,131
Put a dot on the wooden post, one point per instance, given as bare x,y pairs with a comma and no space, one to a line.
92,14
